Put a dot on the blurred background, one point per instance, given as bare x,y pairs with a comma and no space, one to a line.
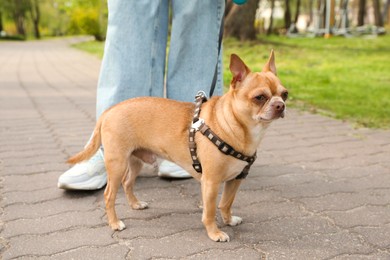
23,19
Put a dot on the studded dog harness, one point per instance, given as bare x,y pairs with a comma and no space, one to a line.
198,124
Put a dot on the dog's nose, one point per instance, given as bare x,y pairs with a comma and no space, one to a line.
278,105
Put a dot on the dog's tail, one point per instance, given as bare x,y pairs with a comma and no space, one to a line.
92,146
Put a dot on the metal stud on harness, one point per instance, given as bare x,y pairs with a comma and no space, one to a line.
198,124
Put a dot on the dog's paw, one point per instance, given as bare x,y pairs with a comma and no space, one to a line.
140,205
219,236
118,226
234,221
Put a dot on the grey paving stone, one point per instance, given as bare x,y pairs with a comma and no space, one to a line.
347,200
160,226
179,245
32,182
376,255
316,246
240,253
368,215
55,223
31,197
378,236
33,168
283,230
111,252
48,208
46,245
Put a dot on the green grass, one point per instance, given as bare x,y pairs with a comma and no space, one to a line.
346,78
96,48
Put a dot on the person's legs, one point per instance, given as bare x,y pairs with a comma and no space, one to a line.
193,52
134,56
193,56
133,65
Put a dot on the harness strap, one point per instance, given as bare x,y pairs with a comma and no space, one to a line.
198,124
199,99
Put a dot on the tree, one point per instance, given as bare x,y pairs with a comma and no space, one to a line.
271,22
35,16
311,4
19,16
287,14
1,21
54,17
15,11
297,11
88,17
377,13
386,12
240,20
1,16
361,12
292,29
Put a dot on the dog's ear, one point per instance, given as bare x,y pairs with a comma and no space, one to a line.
238,69
270,65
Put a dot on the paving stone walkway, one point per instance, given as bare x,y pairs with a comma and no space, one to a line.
320,189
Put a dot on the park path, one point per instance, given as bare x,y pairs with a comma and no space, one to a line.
320,189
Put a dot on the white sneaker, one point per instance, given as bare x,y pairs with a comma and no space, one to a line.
87,175
169,169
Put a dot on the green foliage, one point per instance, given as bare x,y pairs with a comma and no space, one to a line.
95,48
58,17
85,21
87,17
14,11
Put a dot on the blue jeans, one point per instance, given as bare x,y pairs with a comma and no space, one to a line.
134,62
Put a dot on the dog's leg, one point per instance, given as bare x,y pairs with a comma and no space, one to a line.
135,166
115,171
209,195
228,195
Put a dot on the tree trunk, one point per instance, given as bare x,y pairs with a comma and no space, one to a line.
332,14
37,33
19,17
386,12
19,23
1,22
310,12
228,7
361,12
322,13
271,22
35,16
297,11
377,13
287,14
240,21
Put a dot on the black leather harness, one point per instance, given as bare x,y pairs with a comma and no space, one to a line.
198,124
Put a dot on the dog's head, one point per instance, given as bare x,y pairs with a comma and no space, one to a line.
260,96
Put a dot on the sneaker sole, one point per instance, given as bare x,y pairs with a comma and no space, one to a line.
94,183
173,175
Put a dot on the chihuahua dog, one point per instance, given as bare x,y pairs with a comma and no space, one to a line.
139,129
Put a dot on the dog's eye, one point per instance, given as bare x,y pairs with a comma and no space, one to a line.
285,95
261,98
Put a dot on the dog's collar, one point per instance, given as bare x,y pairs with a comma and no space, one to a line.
198,124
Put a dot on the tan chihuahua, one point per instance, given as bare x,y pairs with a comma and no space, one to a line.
135,130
